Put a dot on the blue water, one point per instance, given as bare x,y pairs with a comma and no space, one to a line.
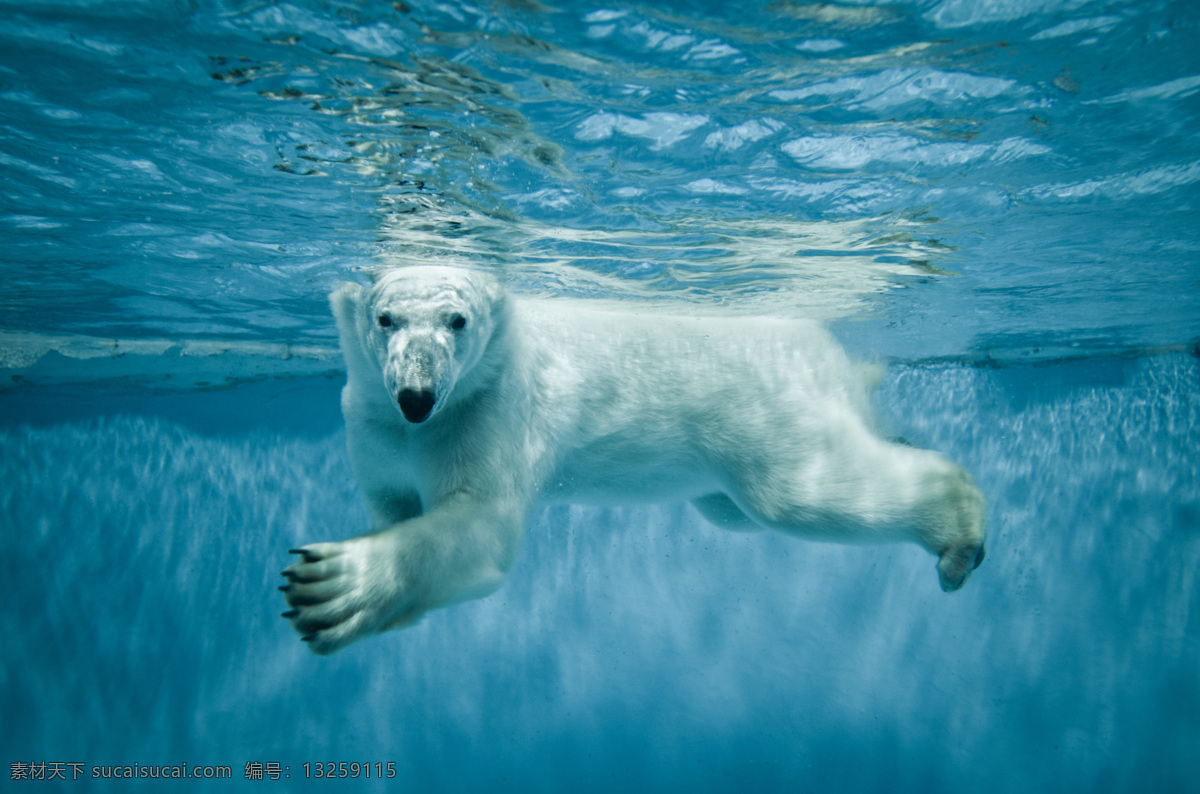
999,199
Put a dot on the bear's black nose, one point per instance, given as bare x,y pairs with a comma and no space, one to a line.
416,405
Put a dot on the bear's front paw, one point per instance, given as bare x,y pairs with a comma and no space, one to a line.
341,592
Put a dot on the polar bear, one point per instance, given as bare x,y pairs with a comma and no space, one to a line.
466,407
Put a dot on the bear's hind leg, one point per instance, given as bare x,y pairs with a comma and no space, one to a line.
860,489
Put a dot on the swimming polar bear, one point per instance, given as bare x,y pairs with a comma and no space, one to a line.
466,407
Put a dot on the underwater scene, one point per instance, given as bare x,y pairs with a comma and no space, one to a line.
997,200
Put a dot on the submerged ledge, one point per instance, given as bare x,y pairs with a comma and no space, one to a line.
1015,357
35,359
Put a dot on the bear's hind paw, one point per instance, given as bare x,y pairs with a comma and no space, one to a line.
956,564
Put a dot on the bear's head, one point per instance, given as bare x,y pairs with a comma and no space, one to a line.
428,328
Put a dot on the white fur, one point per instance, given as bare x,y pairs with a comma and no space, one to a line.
761,423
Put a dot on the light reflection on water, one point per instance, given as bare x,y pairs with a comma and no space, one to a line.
211,170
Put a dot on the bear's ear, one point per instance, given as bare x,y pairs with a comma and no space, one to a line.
376,271
345,301
493,290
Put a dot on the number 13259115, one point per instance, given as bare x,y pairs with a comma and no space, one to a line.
354,769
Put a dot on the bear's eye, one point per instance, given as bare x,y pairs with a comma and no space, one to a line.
385,321
458,322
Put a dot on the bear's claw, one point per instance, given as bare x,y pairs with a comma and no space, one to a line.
333,594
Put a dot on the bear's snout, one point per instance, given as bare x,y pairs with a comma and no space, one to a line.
416,405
